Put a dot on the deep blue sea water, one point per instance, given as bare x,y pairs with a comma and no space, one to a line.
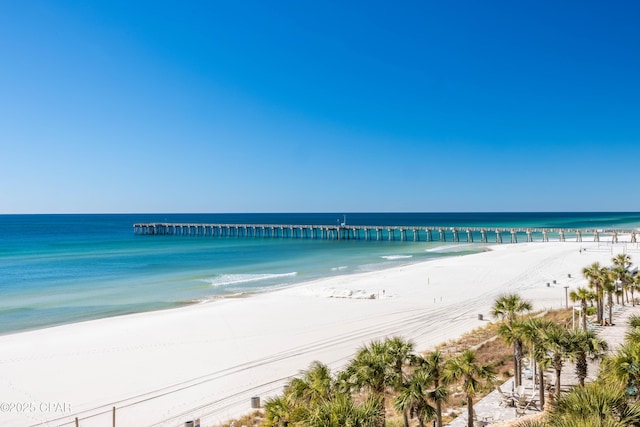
57,269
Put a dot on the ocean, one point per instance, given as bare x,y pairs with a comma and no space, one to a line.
57,269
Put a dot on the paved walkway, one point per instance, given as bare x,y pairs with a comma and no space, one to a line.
491,409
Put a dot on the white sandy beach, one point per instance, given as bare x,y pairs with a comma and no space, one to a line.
206,361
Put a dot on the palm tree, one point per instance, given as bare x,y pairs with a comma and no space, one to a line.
532,330
465,368
507,307
556,341
633,333
594,273
278,411
432,365
343,411
621,263
600,404
312,388
633,285
313,399
623,276
632,336
315,385
413,397
511,333
585,344
372,369
399,352
634,321
608,284
583,295
623,366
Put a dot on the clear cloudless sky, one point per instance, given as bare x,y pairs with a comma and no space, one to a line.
319,106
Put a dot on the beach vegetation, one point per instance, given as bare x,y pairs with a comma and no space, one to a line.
634,321
343,411
633,335
633,286
400,352
532,330
583,295
596,404
316,399
622,275
413,398
374,369
556,341
508,308
278,411
431,367
596,274
583,345
624,366
255,418
473,375
611,287
418,384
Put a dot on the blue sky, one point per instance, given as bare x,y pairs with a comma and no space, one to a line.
332,106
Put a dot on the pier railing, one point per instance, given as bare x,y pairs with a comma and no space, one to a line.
384,232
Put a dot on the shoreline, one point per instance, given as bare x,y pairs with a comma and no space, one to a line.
207,360
221,283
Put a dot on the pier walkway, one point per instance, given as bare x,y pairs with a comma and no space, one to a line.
386,232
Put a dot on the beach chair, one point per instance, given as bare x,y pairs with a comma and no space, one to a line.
519,391
506,400
523,405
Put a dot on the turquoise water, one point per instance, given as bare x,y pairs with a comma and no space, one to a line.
58,269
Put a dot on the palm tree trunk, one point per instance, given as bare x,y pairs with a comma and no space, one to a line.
583,307
469,411
516,366
558,371
541,386
436,385
599,307
518,345
383,420
610,309
581,368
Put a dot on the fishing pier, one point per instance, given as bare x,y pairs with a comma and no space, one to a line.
380,233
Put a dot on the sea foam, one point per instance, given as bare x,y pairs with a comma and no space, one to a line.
392,257
232,279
